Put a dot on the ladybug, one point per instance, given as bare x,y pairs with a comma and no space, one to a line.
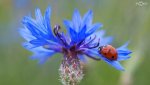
108,52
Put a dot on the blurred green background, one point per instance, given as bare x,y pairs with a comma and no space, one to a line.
123,19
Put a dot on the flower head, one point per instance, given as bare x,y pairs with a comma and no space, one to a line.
44,42
83,40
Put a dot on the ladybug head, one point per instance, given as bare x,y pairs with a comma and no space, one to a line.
101,47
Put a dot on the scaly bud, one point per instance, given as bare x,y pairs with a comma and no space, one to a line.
70,72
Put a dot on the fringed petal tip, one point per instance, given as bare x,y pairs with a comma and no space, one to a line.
123,51
124,46
117,65
41,54
28,46
121,58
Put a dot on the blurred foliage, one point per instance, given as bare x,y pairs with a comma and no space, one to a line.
122,19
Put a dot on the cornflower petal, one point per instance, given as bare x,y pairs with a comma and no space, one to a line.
87,19
41,54
26,34
76,20
39,36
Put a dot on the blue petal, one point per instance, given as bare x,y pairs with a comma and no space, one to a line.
44,24
47,23
47,19
38,34
115,64
81,34
82,58
40,21
73,35
33,28
121,58
40,28
42,58
28,46
87,19
38,42
92,52
25,33
94,28
41,54
38,15
68,24
124,46
49,47
76,20
123,52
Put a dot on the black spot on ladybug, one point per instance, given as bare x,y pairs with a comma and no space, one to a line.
112,57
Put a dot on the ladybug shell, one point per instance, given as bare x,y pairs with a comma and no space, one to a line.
109,52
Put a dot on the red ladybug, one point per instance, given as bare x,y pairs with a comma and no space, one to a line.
109,52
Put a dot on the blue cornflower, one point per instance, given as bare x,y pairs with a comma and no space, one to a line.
80,40
44,42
